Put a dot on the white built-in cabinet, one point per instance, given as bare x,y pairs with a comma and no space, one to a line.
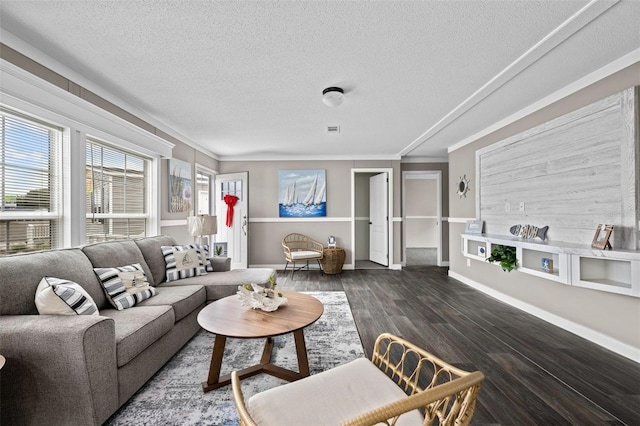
615,271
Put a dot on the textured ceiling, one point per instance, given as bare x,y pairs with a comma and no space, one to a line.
244,79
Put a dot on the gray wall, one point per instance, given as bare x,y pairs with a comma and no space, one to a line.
266,228
613,315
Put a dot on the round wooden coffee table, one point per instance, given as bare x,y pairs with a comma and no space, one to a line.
228,318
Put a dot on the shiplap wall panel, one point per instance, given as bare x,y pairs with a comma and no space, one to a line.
572,173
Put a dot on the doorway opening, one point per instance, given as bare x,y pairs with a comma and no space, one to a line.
371,218
422,218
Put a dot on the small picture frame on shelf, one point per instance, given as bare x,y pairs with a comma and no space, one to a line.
547,265
474,227
482,251
601,237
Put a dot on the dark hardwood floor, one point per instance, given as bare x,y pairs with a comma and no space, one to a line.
536,373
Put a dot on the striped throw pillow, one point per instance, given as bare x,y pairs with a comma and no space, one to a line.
56,296
184,261
125,286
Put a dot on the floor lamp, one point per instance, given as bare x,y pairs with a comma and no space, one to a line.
201,226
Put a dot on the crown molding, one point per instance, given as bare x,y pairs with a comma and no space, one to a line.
568,28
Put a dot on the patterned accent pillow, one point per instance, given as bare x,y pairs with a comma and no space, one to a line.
125,286
184,261
55,296
207,256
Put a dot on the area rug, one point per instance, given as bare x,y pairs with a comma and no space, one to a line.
174,395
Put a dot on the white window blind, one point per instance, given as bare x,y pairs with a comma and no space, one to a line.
116,193
30,182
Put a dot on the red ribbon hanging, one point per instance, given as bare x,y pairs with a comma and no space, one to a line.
231,201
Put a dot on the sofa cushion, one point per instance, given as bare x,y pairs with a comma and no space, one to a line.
152,252
349,390
223,284
117,253
55,296
183,299
184,261
122,285
138,328
20,275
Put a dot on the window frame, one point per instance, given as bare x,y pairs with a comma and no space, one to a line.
55,215
210,174
147,187
27,94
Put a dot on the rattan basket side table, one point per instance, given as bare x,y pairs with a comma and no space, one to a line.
332,260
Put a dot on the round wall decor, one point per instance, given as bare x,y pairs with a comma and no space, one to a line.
463,186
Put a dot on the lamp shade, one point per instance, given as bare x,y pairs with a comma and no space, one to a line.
202,225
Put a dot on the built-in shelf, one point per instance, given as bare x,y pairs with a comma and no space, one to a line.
607,274
530,261
616,271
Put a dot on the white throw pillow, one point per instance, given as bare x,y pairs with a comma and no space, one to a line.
55,296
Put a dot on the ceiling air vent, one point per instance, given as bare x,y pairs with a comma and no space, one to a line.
333,129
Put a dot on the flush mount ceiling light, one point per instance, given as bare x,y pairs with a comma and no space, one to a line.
332,96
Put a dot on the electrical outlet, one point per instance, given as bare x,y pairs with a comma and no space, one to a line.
521,206
507,207
468,262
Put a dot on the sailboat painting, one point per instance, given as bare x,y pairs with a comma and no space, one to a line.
302,193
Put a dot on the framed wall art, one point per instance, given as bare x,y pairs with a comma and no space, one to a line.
302,193
179,186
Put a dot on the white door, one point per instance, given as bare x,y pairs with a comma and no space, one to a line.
379,219
235,236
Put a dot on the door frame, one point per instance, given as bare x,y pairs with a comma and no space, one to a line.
389,171
221,218
422,174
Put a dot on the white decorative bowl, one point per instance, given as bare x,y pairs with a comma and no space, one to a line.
260,298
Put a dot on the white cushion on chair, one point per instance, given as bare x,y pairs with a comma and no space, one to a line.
333,396
305,254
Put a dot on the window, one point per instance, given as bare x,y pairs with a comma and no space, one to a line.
30,196
203,190
116,193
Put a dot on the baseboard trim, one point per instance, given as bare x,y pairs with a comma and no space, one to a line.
594,336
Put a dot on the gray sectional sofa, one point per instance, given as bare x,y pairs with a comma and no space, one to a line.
79,369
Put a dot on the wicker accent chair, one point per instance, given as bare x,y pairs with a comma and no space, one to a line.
300,248
401,385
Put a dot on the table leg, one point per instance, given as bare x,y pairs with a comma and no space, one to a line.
213,381
266,352
301,349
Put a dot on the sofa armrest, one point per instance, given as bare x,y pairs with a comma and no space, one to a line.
59,369
220,263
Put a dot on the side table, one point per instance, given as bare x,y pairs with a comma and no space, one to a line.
332,260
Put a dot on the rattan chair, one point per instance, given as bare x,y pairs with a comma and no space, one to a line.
300,248
401,385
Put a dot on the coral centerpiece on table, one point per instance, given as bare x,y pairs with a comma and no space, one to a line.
256,297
